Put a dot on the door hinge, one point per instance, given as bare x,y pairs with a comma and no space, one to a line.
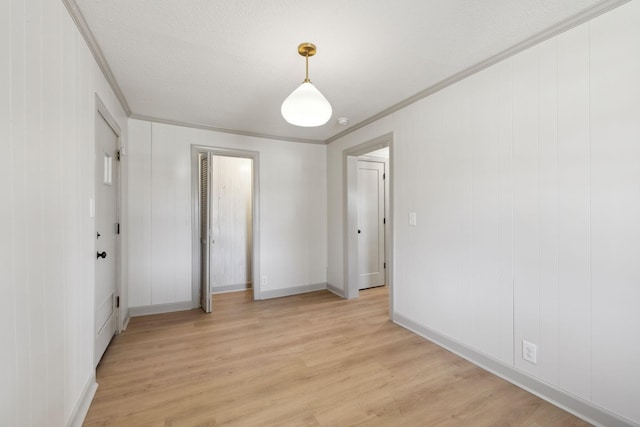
385,265
118,155
117,302
384,220
117,228
384,175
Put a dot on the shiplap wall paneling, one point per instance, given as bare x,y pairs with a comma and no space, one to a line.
50,80
526,204
139,215
485,304
430,178
230,221
22,325
615,209
292,210
408,243
465,195
171,221
574,293
505,210
8,312
75,208
548,159
450,314
568,203
52,205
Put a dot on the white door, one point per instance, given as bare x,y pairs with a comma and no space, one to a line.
106,208
370,224
205,232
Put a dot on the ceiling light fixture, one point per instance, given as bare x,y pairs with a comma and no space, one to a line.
306,106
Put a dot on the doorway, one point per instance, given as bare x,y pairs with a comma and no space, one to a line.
226,233
106,210
357,258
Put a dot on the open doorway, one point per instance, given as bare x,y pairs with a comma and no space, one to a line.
225,223
368,232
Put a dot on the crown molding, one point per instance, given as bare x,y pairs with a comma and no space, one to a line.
223,130
553,31
82,26
559,28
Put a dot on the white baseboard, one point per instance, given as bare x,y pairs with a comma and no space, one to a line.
581,408
230,288
84,403
337,291
126,322
145,310
277,293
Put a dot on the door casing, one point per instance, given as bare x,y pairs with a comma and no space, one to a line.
350,216
195,217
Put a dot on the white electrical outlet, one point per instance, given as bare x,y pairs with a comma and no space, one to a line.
265,280
530,352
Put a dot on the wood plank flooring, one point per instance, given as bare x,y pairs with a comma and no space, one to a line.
306,360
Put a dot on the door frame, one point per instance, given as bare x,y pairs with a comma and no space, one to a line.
350,215
101,110
195,216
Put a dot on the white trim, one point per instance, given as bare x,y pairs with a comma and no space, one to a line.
223,130
559,28
296,290
335,290
94,48
145,310
126,323
581,408
84,402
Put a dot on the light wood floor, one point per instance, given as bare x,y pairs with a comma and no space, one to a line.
307,360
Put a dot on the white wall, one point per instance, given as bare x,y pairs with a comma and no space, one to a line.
230,213
48,81
293,230
525,180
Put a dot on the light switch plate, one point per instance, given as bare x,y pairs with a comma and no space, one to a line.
412,218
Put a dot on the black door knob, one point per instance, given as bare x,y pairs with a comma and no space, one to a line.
359,231
101,255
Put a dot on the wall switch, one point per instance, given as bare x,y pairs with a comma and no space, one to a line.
530,352
412,218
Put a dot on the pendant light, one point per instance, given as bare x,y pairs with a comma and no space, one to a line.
306,106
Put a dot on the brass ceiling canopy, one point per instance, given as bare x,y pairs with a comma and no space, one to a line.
307,49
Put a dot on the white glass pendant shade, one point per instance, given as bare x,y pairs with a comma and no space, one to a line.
306,106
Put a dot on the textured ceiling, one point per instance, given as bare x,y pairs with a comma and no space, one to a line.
229,64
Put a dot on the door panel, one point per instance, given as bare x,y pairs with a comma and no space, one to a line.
370,224
106,235
205,232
